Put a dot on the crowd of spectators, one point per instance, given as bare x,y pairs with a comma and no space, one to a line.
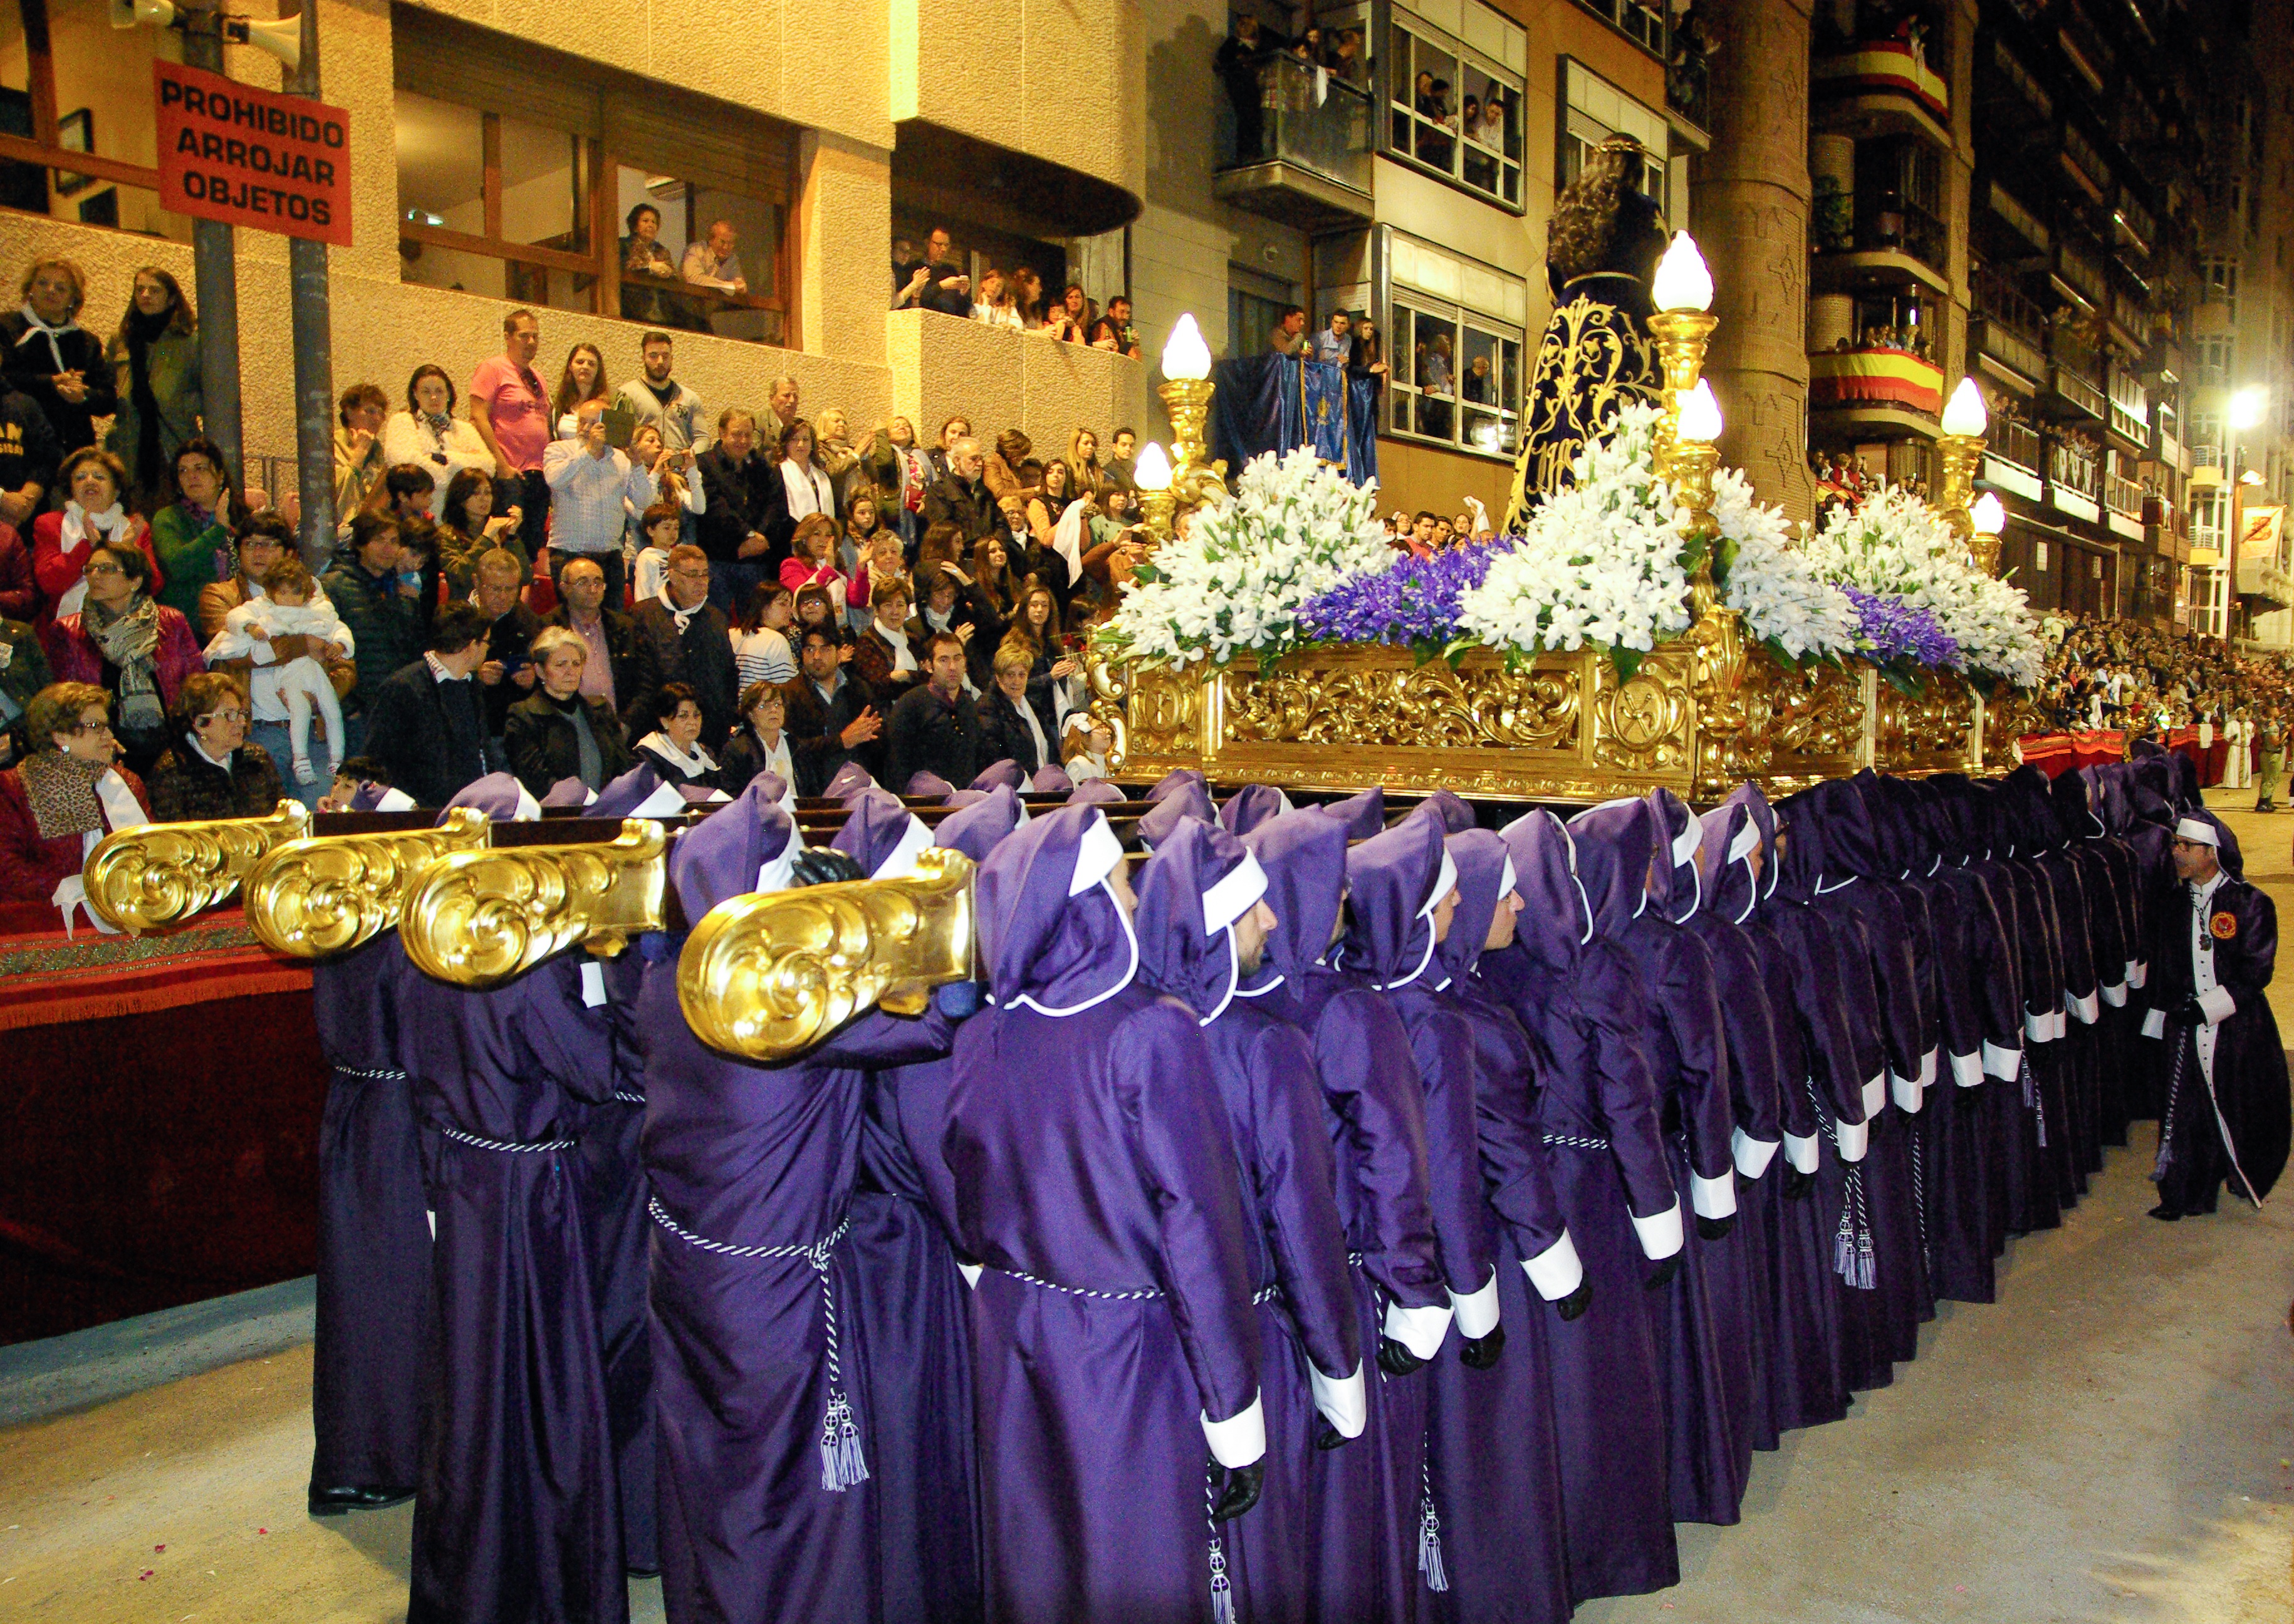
556,581
936,279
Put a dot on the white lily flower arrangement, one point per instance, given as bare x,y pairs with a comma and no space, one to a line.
1234,584
1788,606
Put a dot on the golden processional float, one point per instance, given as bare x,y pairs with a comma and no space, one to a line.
1699,716
764,977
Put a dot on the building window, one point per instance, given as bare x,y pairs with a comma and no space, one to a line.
1255,304
528,175
2220,277
78,138
1592,111
1454,348
1456,109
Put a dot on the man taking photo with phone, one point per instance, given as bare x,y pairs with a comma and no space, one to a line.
589,483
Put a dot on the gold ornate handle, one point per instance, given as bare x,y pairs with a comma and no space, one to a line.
767,977
480,918
330,893
155,875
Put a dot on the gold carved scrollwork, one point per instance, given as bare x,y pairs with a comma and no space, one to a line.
1644,725
1815,725
1165,714
1929,733
154,875
1379,698
330,893
765,976
1733,704
480,918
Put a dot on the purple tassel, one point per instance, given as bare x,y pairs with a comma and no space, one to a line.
1222,1587
1429,1545
842,1464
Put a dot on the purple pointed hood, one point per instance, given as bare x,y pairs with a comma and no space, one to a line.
1756,806
1395,878
1614,843
1176,777
851,779
1797,852
1485,874
749,846
963,798
1191,892
1051,935
640,786
1363,814
927,786
1250,806
1728,837
1051,779
1851,850
1096,791
1181,803
1456,816
1556,921
975,830
1305,857
881,835
1893,852
1005,775
499,796
1675,886
566,792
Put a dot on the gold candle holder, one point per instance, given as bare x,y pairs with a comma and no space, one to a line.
1681,337
1960,455
1694,463
1188,403
1158,509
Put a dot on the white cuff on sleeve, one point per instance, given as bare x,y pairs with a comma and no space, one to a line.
1967,1070
2154,1024
1802,1153
1343,1400
1854,1138
1555,1272
1928,1063
1752,1155
1908,1094
2005,1064
2115,995
1475,1313
2040,1028
2218,1004
972,1273
2138,971
2088,1009
1713,1198
2063,1024
1875,1096
1660,1236
1419,1329
1240,1440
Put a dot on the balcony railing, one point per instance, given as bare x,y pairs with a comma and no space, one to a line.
2017,443
1310,122
2130,406
2005,205
1889,222
1862,66
2123,495
2083,271
2074,471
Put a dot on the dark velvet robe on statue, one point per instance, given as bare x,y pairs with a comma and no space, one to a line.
374,1238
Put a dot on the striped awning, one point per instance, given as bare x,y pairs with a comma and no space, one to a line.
1859,377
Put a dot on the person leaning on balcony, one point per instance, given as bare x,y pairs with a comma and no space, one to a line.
1335,343
1290,334
359,464
1068,319
1114,331
713,263
646,269
1238,63
937,281
45,352
997,305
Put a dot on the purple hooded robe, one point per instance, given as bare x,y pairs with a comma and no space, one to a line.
1113,1333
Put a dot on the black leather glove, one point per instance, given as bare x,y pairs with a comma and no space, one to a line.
825,865
1573,1306
1329,1437
1396,1360
1482,1354
1240,1493
1714,1228
1666,1271
2187,1014
1798,1186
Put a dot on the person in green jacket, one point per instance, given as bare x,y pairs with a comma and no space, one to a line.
2273,746
192,536
155,359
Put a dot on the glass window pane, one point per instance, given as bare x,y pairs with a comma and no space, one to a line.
1434,353
540,175
1399,70
1433,94
441,163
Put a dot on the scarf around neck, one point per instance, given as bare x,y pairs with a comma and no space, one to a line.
81,528
693,763
130,643
62,791
36,328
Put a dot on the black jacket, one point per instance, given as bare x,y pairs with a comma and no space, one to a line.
623,650
28,445
740,497
924,734
816,729
1003,735
539,740
969,506
743,758
510,640
30,366
386,625
429,735
701,657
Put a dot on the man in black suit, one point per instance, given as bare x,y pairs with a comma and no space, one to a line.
426,725
507,674
616,663
934,728
684,638
829,719
745,507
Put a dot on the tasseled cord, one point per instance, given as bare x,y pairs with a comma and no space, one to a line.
1851,1242
2166,1158
1222,1586
841,1462
1429,1539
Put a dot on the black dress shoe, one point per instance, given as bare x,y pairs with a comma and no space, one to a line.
2165,1213
334,1502
638,1572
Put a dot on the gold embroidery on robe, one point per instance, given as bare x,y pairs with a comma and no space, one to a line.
1593,360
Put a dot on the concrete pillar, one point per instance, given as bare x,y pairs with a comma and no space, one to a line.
1750,211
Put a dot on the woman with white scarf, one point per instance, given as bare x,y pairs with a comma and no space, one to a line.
429,436
94,515
63,798
46,353
808,488
674,747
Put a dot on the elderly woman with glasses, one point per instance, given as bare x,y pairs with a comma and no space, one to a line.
129,644
211,770
64,797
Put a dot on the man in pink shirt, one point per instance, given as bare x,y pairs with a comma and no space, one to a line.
510,411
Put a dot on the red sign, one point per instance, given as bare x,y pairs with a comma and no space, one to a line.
248,156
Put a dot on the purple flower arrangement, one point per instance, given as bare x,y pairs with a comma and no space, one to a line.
1896,632
1413,602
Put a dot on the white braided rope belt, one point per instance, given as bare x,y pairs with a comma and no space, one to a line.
476,1143
370,1077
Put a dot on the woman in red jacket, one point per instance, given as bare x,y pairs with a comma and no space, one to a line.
64,797
96,512
129,644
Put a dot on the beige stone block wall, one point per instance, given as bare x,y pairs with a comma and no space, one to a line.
1002,379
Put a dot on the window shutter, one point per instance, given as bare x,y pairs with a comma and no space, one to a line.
437,56
668,132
